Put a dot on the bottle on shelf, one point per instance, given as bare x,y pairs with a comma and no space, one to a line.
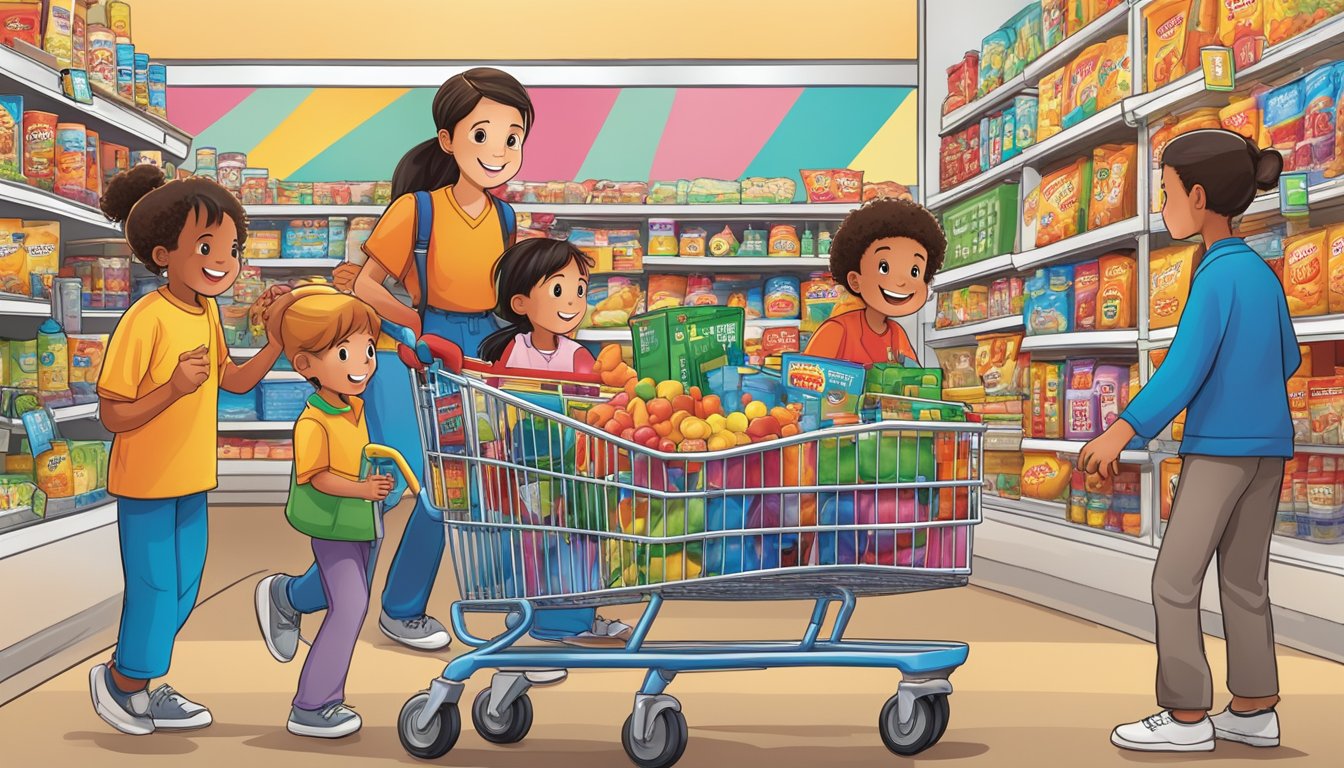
808,245
824,244
53,365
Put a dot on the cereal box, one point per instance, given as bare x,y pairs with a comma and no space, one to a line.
836,387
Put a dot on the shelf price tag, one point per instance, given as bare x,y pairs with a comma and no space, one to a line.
1293,194
1220,71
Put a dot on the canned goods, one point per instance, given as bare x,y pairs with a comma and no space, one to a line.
158,90
71,157
206,160
102,57
126,71
230,171
142,80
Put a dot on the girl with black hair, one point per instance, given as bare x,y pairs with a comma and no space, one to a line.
1233,352
541,287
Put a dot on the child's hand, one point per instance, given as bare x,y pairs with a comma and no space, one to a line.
343,276
193,368
270,307
376,487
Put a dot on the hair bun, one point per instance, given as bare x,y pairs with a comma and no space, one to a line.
1268,166
127,188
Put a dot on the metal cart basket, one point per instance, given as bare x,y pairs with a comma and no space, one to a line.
545,512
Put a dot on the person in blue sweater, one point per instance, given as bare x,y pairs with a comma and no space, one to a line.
1233,352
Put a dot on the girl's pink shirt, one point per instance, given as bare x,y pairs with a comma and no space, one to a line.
523,355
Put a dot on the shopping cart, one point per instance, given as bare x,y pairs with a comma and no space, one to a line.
543,511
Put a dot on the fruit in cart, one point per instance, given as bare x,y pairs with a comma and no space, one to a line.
667,446
755,410
691,445
784,415
742,438
639,412
717,422
695,429
660,409
711,405
736,422
678,567
620,400
600,414
670,389
647,437
608,358
764,427
646,389
683,404
721,441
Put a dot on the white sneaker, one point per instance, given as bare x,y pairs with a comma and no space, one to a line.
1162,733
127,712
1258,730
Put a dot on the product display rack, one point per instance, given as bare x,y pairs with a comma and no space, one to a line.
1072,547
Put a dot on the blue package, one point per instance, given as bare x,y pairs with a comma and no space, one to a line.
1283,112
1026,113
1010,148
41,430
1049,301
984,144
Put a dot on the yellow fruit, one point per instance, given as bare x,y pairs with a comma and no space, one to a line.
755,410
670,389
695,429
716,422
742,438
630,576
737,422
640,526
721,442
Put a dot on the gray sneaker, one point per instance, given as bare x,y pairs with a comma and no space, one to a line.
278,620
424,633
127,712
172,711
331,722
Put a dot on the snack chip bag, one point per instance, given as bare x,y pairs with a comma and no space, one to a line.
42,243
996,362
1305,280
1285,19
1242,116
1045,477
1050,104
1063,206
1202,31
819,185
1086,284
14,277
1050,301
1335,280
1027,45
1083,85
1169,274
1054,28
1318,122
1115,73
1166,22
1283,111
1117,292
1114,182
1241,27
994,59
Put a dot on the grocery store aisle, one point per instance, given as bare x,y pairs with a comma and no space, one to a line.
1038,684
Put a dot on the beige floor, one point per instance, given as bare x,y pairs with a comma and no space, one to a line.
1040,688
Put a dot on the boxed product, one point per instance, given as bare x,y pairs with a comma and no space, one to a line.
1169,274
305,239
1083,420
1086,286
1050,104
1064,196
11,135
1028,41
662,237
1082,84
282,400
996,361
820,295
993,60
685,343
962,79
830,390
981,227
959,367
1325,402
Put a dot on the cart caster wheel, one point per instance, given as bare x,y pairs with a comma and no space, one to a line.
928,721
434,741
665,744
510,727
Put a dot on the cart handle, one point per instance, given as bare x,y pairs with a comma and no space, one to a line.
430,348
374,451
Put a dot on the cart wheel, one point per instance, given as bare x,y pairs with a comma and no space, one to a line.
666,742
928,720
510,727
436,740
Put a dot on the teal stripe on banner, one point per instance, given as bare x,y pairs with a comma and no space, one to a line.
624,148
244,127
372,150
826,128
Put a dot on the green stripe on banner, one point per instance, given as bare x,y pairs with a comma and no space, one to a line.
624,148
244,127
372,151
826,128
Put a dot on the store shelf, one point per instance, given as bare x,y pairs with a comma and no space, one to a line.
284,376
22,306
78,221
68,413
1073,447
1004,171
706,212
40,87
254,468
1112,22
959,334
735,263
1323,328
293,263
1083,244
1082,340
1283,59
1328,450
1161,337
1052,518
256,426
102,314
954,277
1318,556
52,530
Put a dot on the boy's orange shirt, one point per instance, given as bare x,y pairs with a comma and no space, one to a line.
848,337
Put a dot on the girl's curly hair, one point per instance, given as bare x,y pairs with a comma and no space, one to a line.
153,211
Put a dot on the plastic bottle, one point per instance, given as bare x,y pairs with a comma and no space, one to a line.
824,243
53,364
809,244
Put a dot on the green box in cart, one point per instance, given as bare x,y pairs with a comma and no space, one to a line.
686,343
981,227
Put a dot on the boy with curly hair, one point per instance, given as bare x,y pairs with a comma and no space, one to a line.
886,254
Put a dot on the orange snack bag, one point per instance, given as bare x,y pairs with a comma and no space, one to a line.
1334,241
1298,408
1114,181
1166,22
1305,274
1118,291
1242,116
1284,19
1082,85
1064,196
1325,404
1202,30
1169,273
1045,476
1241,27
1116,72
1050,104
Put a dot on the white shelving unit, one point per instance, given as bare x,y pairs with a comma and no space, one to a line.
254,468
737,263
67,413
1020,534
293,263
706,212
256,426
78,221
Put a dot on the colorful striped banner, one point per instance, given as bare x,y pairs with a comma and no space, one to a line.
335,134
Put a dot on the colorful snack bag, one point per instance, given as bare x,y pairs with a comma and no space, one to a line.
1025,111
1114,182
993,59
1050,301
13,260
1115,74
1242,116
1054,28
1325,403
1241,27
1165,22
1318,123
666,291
1083,85
1086,284
1045,476
1117,292
996,362
1202,30
1063,205
1050,104
42,243
1305,278
1335,269
1283,112
1027,45
1169,273
1159,136
1285,19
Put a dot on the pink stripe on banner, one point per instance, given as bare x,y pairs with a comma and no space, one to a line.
567,122
195,109
715,132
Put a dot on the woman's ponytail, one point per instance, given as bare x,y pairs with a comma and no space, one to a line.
426,167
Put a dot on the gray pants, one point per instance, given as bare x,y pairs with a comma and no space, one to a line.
1228,506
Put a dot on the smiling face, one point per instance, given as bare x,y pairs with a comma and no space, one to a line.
345,368
487,144
206,259
557,303
890,279
1183,212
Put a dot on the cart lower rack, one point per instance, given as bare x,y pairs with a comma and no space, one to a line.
548,518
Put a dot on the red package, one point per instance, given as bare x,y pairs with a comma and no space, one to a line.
21,21
848,185
820,186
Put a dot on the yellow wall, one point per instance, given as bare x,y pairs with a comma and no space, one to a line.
526,29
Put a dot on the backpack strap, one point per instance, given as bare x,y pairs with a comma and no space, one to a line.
424,227
508,220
